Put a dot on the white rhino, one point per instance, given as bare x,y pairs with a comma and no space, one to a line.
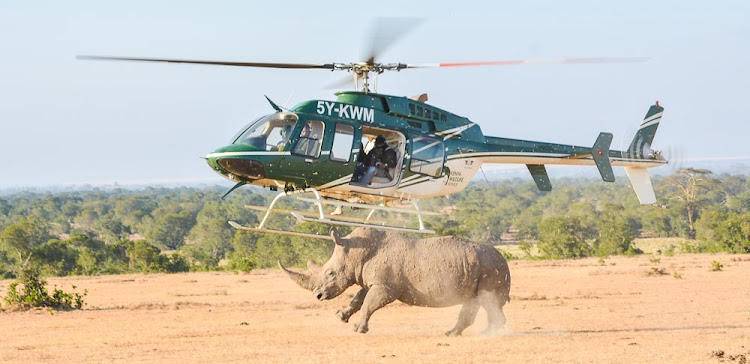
436,272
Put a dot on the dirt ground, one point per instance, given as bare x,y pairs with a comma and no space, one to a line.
561,311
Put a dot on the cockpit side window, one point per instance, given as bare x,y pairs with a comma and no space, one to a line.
310,139
270,133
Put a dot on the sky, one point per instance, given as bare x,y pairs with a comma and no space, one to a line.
64,121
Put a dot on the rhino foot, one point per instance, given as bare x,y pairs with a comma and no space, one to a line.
453,333
362,329
342,316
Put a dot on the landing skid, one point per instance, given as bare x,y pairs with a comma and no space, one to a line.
320,217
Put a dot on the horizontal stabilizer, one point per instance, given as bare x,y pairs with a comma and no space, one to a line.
641,183
600,153
539,174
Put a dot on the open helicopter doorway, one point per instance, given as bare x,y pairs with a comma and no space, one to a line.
379,168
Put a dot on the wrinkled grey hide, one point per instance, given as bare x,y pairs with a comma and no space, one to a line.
436,272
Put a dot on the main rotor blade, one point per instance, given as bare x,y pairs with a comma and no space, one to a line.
328,66
387,31
532,61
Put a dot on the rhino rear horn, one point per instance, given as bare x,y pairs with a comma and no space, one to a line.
303,280
313,267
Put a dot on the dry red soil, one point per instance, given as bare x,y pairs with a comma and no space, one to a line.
561,311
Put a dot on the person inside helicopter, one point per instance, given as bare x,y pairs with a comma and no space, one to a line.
375,163
309,139
285,134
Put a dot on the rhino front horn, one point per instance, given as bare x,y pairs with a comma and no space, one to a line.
303,280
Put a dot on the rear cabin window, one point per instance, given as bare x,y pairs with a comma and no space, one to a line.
342,143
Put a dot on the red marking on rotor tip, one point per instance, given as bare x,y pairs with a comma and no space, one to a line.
599,152
657,102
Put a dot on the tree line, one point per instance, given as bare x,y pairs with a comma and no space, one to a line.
184,229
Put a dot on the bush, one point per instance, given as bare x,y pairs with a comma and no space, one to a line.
241,263
563,238
733,234
174,263
34,293
506,255
716,266
616,235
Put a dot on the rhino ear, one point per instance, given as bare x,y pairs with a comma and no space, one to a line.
336,238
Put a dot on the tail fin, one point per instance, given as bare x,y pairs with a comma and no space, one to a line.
640,147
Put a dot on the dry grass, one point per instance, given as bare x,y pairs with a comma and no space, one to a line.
560,311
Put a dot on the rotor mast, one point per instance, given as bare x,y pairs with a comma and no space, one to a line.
361,71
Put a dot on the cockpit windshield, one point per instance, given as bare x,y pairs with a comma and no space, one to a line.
270,132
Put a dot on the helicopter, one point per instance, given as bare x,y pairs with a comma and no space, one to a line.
319,147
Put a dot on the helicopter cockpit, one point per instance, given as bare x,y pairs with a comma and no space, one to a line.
270,132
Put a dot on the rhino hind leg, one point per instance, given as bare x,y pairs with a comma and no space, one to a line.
465,318
493,304
376,298
353,307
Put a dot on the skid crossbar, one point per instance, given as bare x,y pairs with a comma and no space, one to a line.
321,218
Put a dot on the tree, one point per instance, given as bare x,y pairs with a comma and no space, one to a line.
142,255
691,186
211,237
616,235
171,229
56,257
4,207
20,239
734,233
563,237
111,229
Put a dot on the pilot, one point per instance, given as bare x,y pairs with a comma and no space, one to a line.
378,161
285,133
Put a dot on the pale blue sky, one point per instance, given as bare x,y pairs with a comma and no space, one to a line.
64,121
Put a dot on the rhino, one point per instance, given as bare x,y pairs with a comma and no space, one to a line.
435,272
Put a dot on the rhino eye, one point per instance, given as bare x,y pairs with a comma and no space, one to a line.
330,273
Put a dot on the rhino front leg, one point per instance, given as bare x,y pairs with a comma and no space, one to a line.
353,307
377,297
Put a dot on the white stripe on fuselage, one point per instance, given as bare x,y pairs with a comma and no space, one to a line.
237,154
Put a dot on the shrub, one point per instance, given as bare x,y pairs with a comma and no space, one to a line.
616,234
733,234
241,263
656,272
174,263
506,255
716,266
563,238
34,293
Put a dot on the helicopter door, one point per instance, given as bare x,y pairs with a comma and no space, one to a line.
367,174
305,161
343,152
